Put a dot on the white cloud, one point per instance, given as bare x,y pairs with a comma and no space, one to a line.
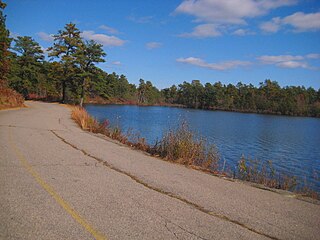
103,39
267,59
289,61
299,21
303,22
313,56
242,32
293,64
116,63
203,31
153,45
282,61
229,11
45,36
109,29
239,32
213,66
272,26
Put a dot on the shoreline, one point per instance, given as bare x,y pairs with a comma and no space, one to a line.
282,192
204,109
269,181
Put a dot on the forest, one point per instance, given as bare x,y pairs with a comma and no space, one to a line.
67,72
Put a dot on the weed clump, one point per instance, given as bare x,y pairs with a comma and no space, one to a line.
263,173
88,123
182,146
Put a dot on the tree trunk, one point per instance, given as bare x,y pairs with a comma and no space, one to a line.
64,91
82,91
81,102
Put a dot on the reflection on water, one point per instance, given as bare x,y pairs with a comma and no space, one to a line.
292,143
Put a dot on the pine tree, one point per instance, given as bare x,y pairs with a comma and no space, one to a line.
66,43
86,56
28,67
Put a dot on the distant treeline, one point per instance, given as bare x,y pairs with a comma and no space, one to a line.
70,74
269,98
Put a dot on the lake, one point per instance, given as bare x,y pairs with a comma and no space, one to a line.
291,143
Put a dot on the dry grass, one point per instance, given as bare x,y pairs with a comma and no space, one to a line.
182,146
264,173
10,98
86,122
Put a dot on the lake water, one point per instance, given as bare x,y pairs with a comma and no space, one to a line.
292,143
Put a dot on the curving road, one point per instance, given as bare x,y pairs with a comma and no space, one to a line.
59,182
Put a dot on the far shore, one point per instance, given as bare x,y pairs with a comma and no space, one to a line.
100,101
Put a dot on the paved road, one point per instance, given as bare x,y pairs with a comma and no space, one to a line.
58,182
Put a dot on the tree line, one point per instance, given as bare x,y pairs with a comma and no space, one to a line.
31,75
70,74
268,97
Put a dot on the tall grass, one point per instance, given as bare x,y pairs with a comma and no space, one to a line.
10,98
264,173
182,146
87,122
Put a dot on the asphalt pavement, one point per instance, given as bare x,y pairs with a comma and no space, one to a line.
59,182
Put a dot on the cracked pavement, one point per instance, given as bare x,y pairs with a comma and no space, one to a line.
121,193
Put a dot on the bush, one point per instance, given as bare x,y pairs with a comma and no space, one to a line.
182,146
10,98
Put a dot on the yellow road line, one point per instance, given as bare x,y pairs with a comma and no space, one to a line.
55,195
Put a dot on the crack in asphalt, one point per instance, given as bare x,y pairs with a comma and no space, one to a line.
169,230
172,195
177,225
166,221
31,128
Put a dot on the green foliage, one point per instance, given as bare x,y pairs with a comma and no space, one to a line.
66,43
87,54
4,46
111,86
65,47
269,97
28,49
26,74
147,93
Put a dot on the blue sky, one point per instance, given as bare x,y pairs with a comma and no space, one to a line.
171,41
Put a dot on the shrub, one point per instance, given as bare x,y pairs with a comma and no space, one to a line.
182,146
10,98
